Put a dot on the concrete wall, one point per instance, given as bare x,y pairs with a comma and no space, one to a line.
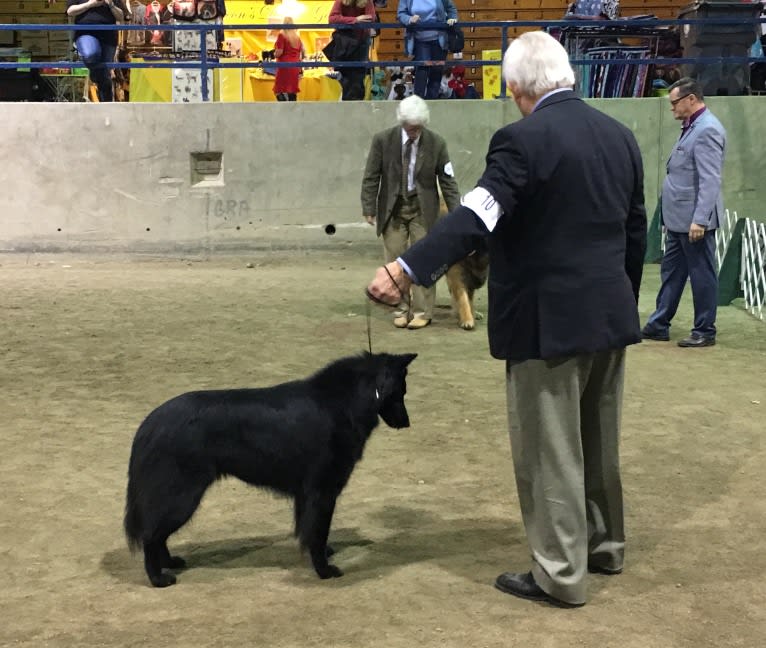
84,177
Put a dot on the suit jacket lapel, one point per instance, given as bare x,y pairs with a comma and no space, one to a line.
685,141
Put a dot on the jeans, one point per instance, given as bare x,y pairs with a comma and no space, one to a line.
94,53
428,78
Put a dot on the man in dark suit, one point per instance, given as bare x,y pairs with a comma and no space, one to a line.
692,210
400,196
561,203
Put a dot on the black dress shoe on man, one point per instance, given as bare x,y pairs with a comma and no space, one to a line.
524,586
606,571
696,341
648,334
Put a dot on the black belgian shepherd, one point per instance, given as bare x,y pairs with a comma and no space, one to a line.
301,439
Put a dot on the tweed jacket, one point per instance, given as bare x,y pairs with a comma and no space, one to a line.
691,192
381,184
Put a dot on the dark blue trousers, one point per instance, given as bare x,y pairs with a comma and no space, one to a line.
428,78
686,260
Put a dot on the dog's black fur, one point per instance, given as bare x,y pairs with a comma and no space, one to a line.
300,438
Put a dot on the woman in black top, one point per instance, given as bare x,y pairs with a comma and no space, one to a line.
97,47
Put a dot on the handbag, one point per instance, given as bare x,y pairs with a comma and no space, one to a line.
343,46
455,39
207,9
184,9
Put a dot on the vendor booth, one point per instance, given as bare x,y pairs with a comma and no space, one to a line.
239,84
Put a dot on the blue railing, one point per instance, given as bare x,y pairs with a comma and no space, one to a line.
203,61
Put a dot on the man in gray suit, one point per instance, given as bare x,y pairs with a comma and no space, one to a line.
399,194
692,207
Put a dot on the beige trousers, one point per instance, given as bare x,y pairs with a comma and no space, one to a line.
405,228
564,422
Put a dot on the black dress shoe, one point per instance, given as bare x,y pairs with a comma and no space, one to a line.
696,341
647,334
606,571
524,586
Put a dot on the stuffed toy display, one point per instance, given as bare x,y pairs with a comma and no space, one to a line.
378,87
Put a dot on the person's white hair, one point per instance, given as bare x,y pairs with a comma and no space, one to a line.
537,63
414,111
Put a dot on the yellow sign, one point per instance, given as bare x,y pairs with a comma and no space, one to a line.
247,12
490,74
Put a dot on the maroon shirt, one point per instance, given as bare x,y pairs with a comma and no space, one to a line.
687,123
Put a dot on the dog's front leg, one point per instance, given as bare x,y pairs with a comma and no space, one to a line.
314,530
461,300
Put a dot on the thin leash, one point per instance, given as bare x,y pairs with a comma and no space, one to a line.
372,298
368,312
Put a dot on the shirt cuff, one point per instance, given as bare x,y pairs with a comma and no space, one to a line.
408,270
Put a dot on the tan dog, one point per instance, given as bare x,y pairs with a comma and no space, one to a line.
463,279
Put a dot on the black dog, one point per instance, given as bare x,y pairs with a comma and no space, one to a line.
301,439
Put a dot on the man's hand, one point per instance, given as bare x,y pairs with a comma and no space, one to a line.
391,285
414,19
696,233
370,220
451,21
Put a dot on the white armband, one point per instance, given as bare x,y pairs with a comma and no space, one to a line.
481,203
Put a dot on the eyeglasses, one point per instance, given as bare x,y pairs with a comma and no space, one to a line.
673,102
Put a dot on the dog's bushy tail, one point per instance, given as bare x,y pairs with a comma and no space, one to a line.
132,523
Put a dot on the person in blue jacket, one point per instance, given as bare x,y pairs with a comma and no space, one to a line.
426,44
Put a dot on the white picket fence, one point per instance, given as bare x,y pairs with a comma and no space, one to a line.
753,269
723,236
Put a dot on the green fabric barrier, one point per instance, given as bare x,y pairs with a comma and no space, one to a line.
728,277
654,237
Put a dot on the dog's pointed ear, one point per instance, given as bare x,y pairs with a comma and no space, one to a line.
406,358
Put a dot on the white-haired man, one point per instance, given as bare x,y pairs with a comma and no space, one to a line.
400,196
561,205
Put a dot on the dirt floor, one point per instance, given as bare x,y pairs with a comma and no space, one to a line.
429,518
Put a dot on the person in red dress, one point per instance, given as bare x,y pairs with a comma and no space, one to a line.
288,48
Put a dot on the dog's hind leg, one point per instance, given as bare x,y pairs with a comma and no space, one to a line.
165,522
314,530
154,557
172,562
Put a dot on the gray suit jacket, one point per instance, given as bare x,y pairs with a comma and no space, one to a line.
691,192
382,180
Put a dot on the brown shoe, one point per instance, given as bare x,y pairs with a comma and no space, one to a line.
418,323
400,322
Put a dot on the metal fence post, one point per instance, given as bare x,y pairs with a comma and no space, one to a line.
203,63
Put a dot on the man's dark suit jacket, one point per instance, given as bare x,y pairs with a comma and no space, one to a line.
566,256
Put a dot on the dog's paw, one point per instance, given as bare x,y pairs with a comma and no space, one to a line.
331,571
163,580
468,325
479,316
